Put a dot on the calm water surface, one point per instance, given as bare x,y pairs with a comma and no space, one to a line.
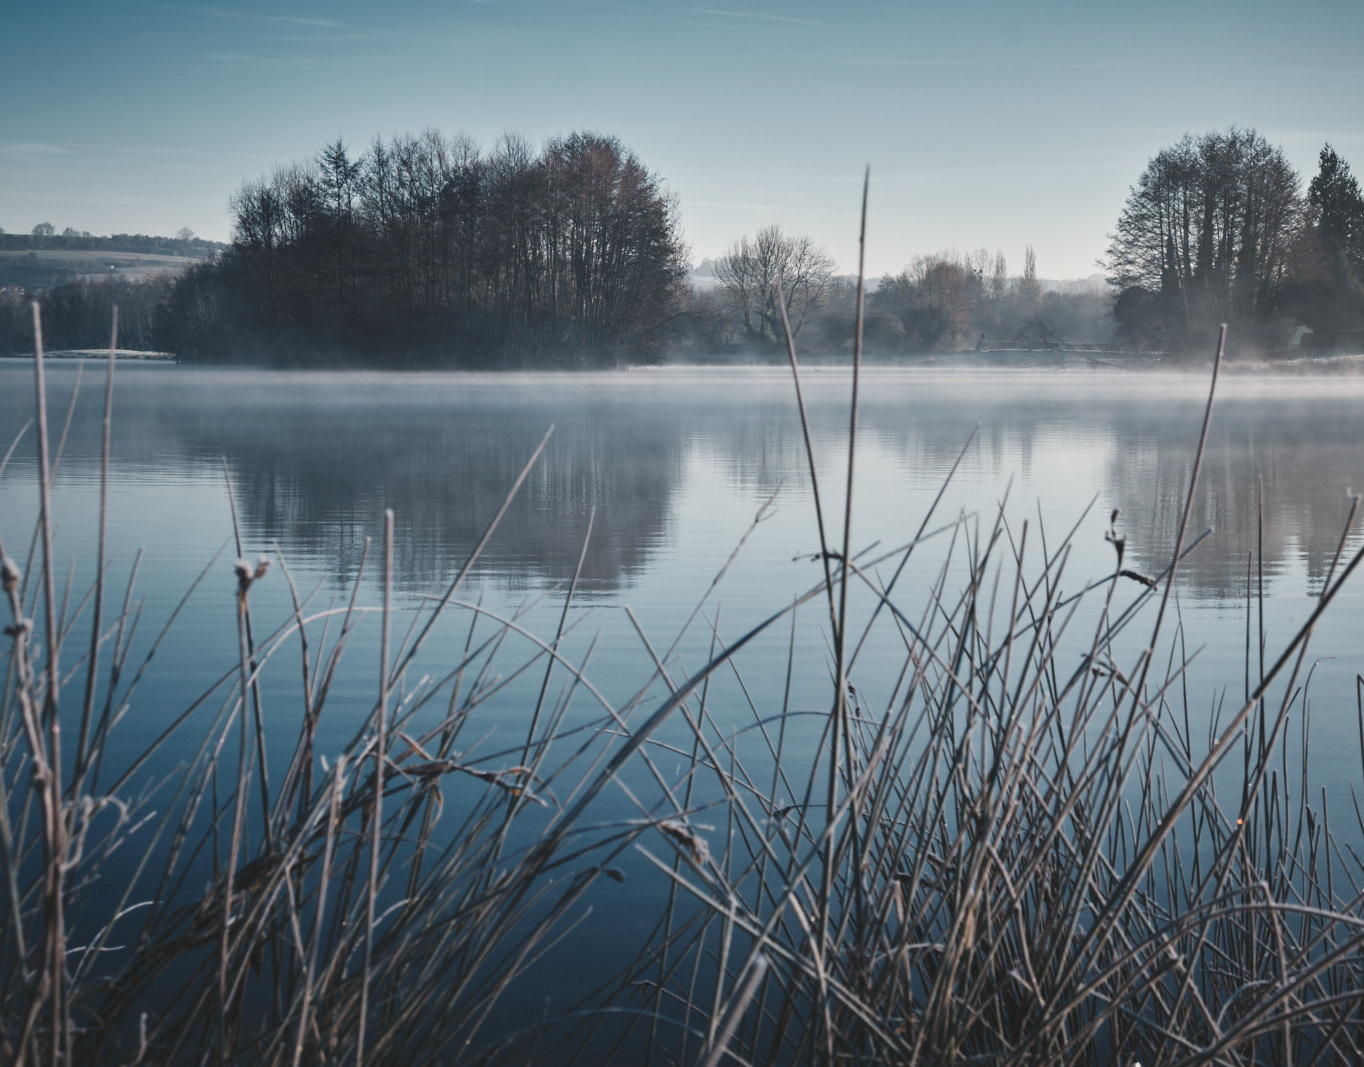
671,466
669,469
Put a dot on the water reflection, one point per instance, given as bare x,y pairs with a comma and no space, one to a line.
445,474
316,460
1274,484
1274,487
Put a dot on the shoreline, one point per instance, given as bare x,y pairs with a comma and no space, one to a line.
1002,361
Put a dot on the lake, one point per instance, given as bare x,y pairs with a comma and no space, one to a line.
649,482
674,464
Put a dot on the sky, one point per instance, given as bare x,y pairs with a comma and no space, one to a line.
984,124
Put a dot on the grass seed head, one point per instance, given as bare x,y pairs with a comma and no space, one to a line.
9,574
692,844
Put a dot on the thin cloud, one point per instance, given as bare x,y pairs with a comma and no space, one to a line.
241,61
67,197
32,148
146,151
897,61
242,16
753,15
876,61
287,20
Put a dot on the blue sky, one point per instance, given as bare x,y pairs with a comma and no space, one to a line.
985,124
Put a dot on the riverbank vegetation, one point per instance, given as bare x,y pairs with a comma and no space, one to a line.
946,302
79,313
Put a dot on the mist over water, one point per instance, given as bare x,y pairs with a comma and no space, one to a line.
317,458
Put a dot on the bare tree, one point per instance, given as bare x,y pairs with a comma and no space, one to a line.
934,300
757,275
999,277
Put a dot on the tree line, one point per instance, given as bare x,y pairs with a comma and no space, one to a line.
45,237
79,314
944,302
429,250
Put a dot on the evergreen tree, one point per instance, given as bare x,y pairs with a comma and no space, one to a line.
1328,284
1338,208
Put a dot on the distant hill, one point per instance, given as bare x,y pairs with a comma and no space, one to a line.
36,263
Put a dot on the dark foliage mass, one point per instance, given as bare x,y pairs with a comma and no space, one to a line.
1328,292
429,251
78,314
1217,229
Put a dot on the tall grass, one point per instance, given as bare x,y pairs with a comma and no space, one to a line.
334,915
1021,855
1025,856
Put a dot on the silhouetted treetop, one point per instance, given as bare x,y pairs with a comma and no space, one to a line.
1338,209
427,249
1326,292
1209,229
